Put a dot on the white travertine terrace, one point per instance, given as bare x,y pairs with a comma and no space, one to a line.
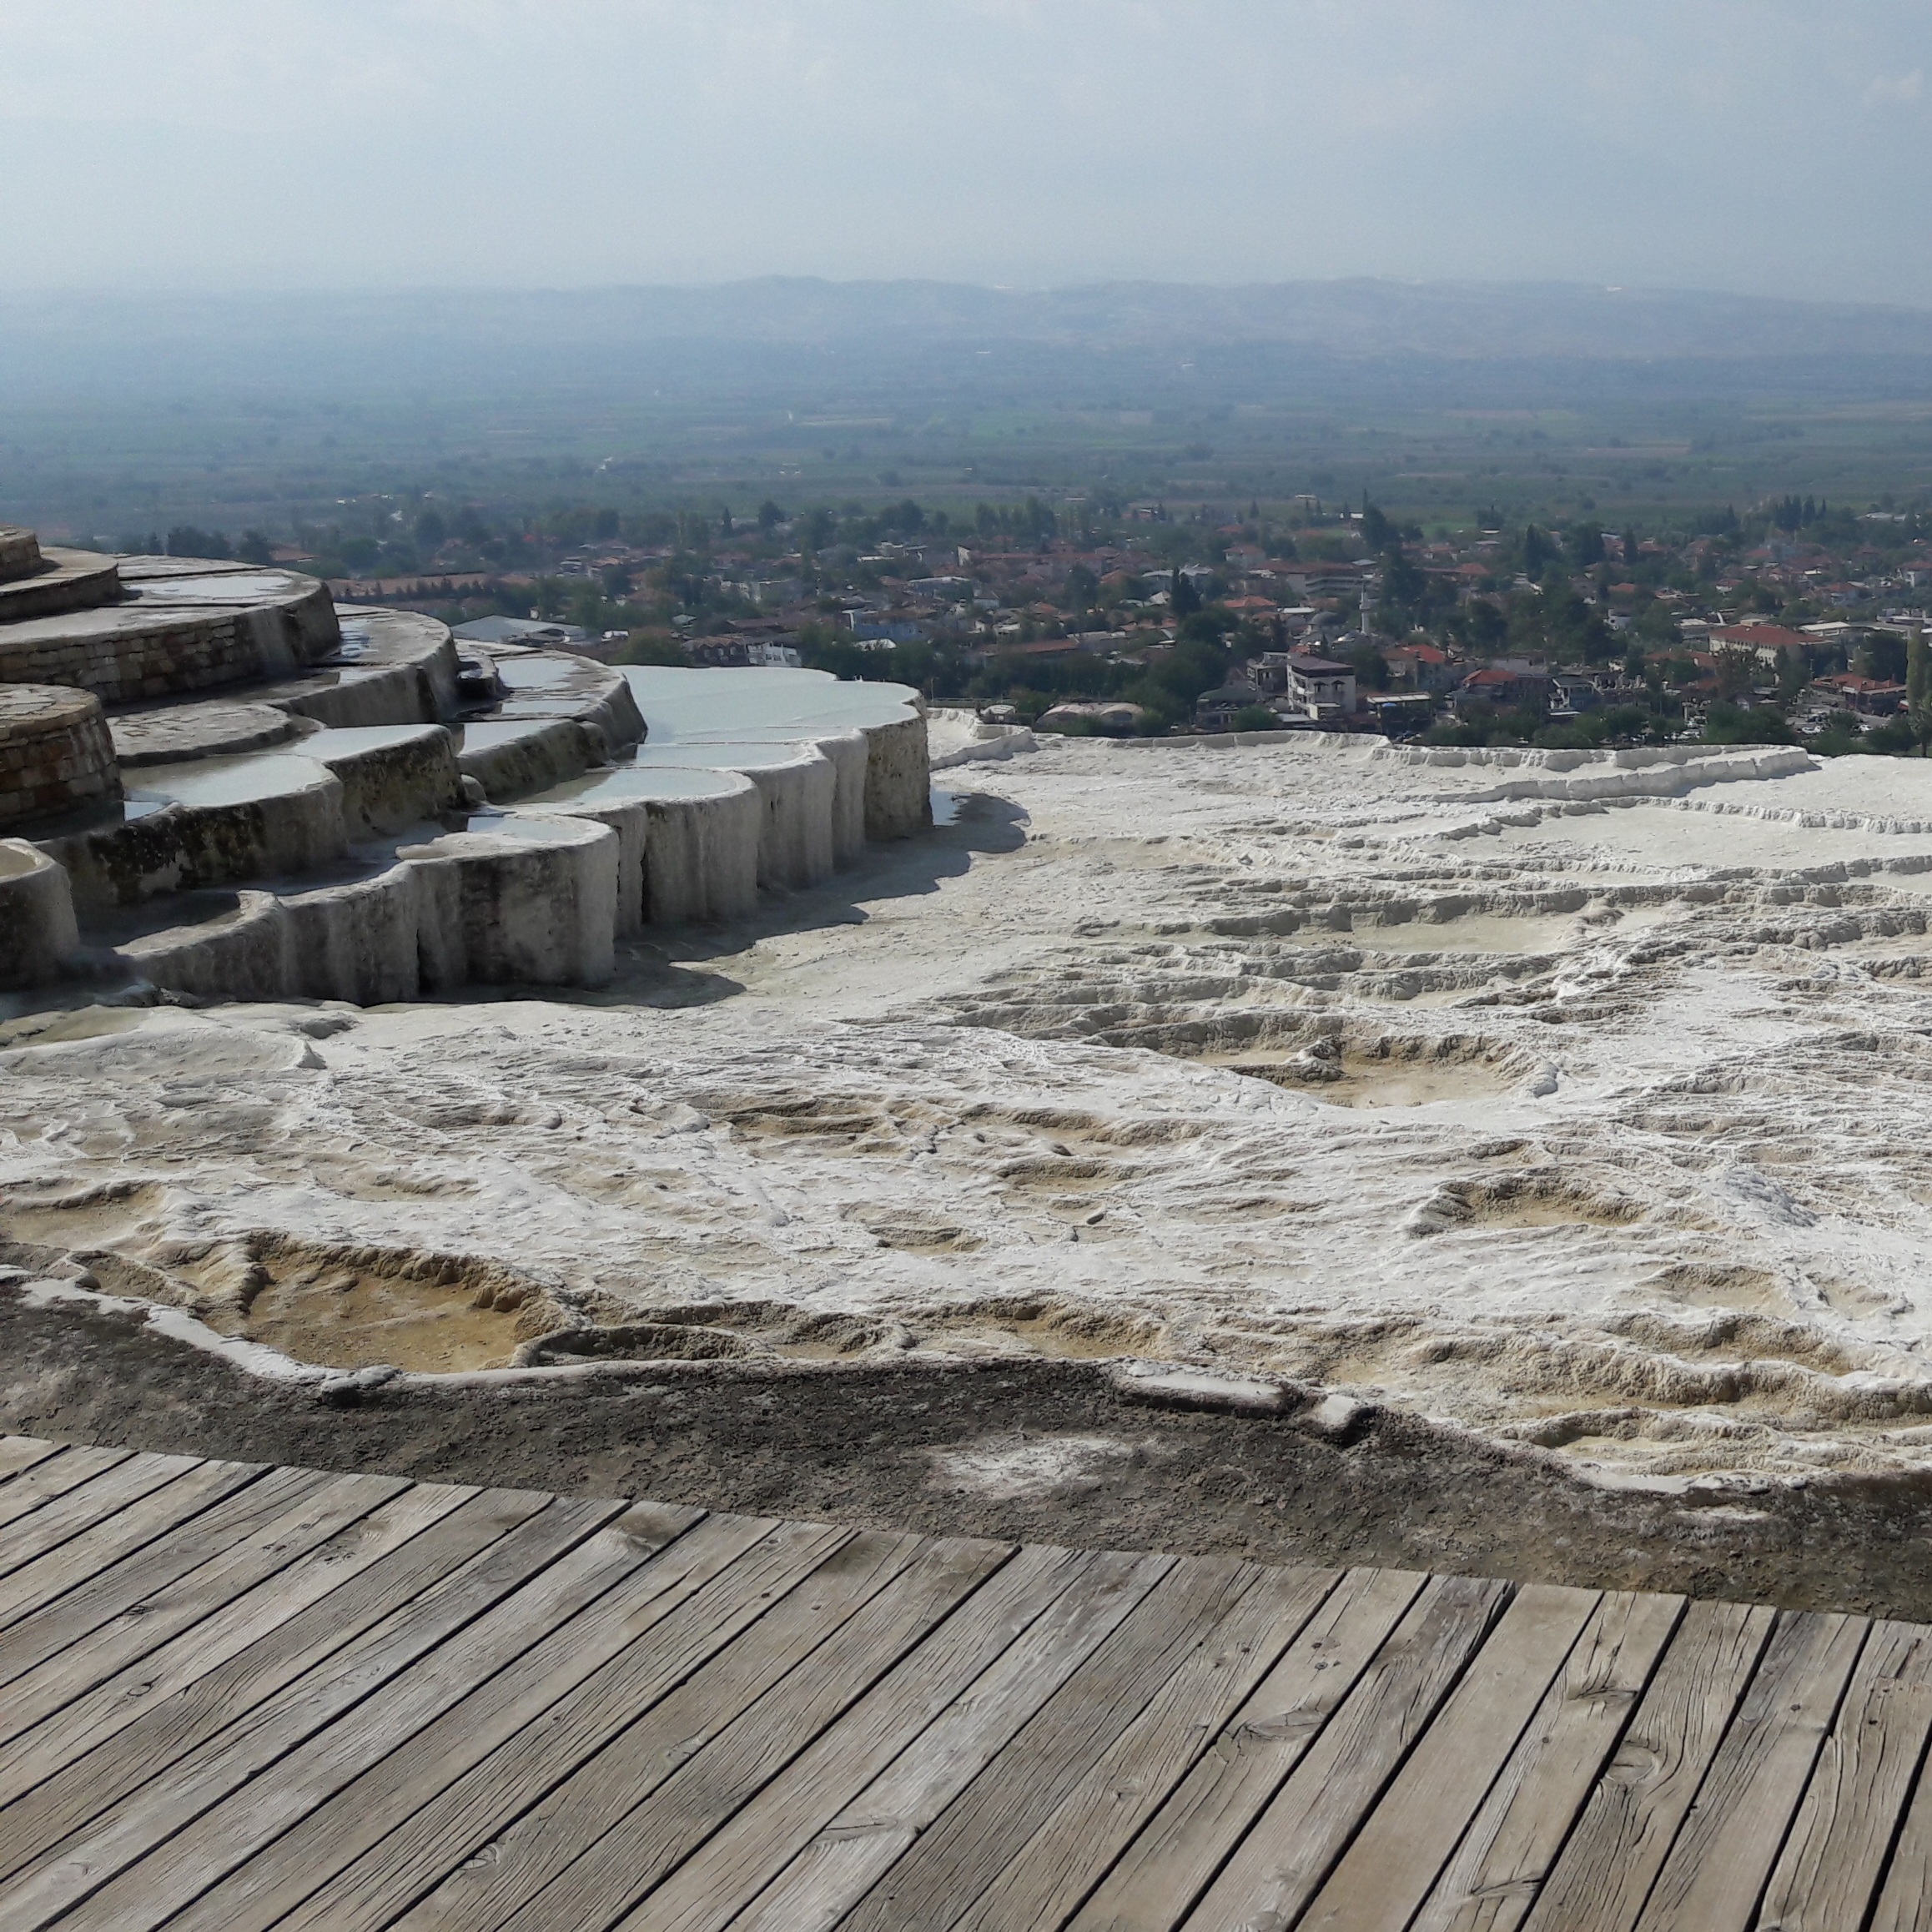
234,790
1594,1125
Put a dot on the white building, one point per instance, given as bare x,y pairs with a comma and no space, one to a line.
1322,688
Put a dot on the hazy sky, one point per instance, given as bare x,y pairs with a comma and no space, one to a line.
1762,145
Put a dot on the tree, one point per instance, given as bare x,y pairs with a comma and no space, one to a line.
1488,626
1794,674
770,517
184,539
1731,724
431,531
1919,686
1184,599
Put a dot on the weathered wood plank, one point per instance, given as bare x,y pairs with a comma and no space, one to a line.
1282,1862
366,1812
1178,1852
147,1685
146,1741
998,1633
1835,1856
161,1806
170,1875
1605,1871
713,1785
159,1515
438,1842
173,1580
1085,1834
49,1477
934,1883
1382,1878
1493,1878
531,1853
40,1527
1905,1903
18,1453
1717,1870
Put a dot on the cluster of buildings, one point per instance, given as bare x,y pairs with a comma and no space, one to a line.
1390,638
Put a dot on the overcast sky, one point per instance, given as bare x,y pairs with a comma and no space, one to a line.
1760,145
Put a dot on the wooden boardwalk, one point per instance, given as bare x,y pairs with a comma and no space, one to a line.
234,1695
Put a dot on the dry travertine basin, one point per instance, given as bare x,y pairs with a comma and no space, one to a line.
1594,1122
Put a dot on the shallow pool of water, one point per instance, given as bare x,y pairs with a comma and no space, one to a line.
682,705
217,587
639,781
529,830
352,741
236,781
727,755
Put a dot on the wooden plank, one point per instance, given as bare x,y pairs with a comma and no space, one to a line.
18,1453
217,1837
367,1811
1494,1878
1905,1903
1279,1865
1074,1846
1004,1630
931,1884
147,1685
1606,1867
1633,1817
1178,1852
157,1735
1382,1878
1717,1870
59,1475
143,1600
1836,1853
713,1785
438,1839
161,1806
51,1476
76,1560
524,1856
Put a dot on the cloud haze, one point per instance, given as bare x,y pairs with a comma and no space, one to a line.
1759,145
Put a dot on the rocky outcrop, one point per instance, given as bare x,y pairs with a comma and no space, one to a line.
37,933
56,755
899,786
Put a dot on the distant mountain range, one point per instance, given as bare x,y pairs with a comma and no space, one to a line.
781,329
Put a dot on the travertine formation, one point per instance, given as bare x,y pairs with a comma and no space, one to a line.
1592,1123
56,755
245,792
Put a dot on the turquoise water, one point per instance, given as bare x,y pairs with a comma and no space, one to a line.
685,706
